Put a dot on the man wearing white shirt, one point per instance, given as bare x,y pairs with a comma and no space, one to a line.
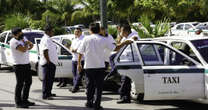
104,33
75,45
20,47
125,88
48,61
92,48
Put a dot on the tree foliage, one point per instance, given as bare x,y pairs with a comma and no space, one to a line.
118,10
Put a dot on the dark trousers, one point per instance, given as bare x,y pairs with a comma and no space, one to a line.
77,77
125,88
48,78
95,79
24,81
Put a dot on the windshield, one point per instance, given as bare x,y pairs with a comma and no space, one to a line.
32,35
202,47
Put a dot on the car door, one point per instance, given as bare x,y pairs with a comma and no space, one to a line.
7,52
128,63
2,48
177,77
63,68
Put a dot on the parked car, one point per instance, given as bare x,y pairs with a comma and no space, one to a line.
5,52
161,72
201,29
182,28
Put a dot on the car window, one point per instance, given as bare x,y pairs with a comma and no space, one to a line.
188,26
185,48
2,37
67,44
61,51
32,35
202,47
157,54
180,27
149,54
129,54
9,38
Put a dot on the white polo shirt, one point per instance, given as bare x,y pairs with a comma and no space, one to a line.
19,57
107,51
133,34
75,45
46,43
93,47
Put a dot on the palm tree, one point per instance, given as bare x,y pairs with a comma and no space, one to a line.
148,31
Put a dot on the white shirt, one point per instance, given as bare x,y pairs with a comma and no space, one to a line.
133,34
93,47
75,45
18,56
107,51
46,43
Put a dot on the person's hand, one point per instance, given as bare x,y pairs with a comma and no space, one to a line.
128,42
79,67
74,50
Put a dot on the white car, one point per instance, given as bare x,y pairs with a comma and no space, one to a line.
203,27
182,28
160,72
5,50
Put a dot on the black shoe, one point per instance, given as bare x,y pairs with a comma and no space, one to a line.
89,105
59,84
123,101
74,90
52,95
98,108
47,98
28,103
63,85
21,106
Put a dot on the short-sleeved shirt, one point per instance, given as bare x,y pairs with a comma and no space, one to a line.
133,34
107,51
93,47
47,43
19,57
75,45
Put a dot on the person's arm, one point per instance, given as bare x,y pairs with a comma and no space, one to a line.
79,65
30,45
119,46
22,48
74,50
118,39
45,53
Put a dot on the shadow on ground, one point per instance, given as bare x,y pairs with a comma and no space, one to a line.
71,108
179,104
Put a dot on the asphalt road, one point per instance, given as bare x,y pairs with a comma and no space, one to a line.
65,100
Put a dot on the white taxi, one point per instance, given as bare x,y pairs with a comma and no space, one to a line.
162,72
